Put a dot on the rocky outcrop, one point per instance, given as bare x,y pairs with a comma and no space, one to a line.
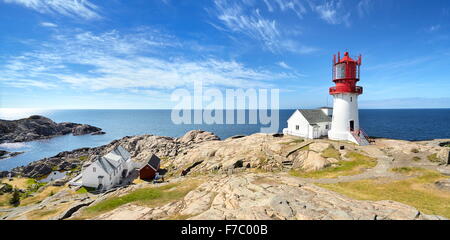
444,155
39,127
140,147
6,154
265,197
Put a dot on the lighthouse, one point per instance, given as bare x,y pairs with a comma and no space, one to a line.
345,119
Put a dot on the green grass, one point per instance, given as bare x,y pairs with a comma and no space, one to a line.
358,162
32,181
304,148
416,159
331,152
83,158
433,158
33,186
145,196
418,191
82,190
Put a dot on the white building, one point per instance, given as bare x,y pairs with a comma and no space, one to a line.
309,123
108,171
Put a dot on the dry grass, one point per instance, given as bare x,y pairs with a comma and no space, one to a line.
46,213
19,183
43,214
418,191
40,195
179,217
4,200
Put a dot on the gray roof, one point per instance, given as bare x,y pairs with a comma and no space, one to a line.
122,152
106,165
153,161
314,115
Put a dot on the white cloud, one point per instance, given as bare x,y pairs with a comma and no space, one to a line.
331,11
72,8
283,65
237,18
293,5
48,24
252,25
138,62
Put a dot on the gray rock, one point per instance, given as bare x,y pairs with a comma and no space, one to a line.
39,127
84,129
443,184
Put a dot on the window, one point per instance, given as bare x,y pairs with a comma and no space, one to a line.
93,169
297,127
326,126
351,99
340,71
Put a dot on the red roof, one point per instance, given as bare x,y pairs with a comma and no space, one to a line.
347,58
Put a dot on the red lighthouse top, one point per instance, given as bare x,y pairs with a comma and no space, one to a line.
346,74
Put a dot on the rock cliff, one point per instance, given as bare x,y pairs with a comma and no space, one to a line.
39,127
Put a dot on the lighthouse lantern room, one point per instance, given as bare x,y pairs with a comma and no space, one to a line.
345,120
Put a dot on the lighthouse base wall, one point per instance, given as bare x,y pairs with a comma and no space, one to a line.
345,117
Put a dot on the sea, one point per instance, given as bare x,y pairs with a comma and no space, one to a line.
406,124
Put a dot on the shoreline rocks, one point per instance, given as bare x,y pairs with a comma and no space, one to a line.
39,127
5,154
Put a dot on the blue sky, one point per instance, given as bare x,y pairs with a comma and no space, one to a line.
133,54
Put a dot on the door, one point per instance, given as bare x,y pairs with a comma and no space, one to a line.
352,125
100,182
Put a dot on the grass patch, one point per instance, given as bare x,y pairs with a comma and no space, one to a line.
433,158
304,148
331,152
416,159
4,199
41,214
151,197
418,191
407,170
358,162
19,183
83,158
82,190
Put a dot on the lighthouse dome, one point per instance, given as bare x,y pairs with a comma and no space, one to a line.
347,58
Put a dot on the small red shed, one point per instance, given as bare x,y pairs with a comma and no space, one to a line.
148,171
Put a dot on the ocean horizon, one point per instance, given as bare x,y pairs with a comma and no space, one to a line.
404,124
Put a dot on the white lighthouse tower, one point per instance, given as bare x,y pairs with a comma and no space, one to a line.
345,121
